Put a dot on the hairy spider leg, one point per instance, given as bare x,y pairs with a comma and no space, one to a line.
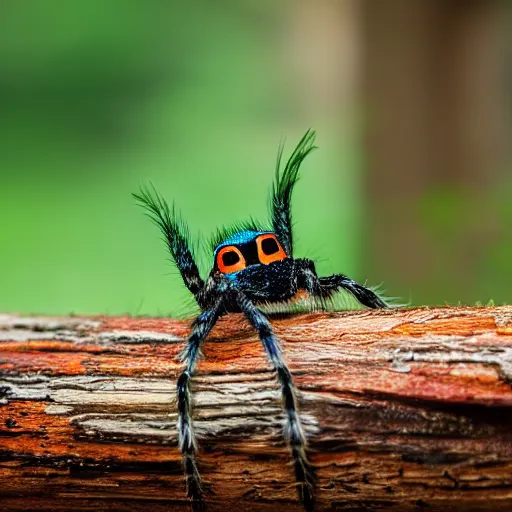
294,434
186,437
326,287
176,235
282,188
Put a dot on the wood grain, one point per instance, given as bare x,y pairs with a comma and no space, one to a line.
404,410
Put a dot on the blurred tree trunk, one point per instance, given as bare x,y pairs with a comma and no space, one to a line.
436,132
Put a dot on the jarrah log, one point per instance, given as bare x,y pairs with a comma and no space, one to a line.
404,410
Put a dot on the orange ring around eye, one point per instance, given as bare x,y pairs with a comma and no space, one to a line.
269,258
235,267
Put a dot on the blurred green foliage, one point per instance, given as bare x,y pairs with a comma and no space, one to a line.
99,97
470,244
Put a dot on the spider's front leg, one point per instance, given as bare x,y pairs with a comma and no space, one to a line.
186,437
177,237
304,473
325,287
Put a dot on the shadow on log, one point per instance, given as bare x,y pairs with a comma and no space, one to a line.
404,410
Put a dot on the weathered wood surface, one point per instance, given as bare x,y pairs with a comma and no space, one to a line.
404,410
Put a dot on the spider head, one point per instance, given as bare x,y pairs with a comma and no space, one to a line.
246,249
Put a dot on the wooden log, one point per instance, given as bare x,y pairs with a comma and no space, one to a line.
404,410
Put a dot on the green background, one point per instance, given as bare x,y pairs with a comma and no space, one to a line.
94,105
97,98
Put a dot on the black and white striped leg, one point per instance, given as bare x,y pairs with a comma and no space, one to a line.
294,434
325,287
186,437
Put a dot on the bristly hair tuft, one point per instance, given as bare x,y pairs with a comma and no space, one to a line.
173,227
283,185
390,301
226,232
282,188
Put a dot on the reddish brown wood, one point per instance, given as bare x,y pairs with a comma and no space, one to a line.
404,410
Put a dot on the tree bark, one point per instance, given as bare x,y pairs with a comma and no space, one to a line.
404,410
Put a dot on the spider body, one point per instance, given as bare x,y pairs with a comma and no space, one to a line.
252,267
255,263
275,282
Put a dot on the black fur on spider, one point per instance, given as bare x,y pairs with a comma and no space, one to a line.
252,267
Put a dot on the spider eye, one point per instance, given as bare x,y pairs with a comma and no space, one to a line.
230,259
269,249
269,246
